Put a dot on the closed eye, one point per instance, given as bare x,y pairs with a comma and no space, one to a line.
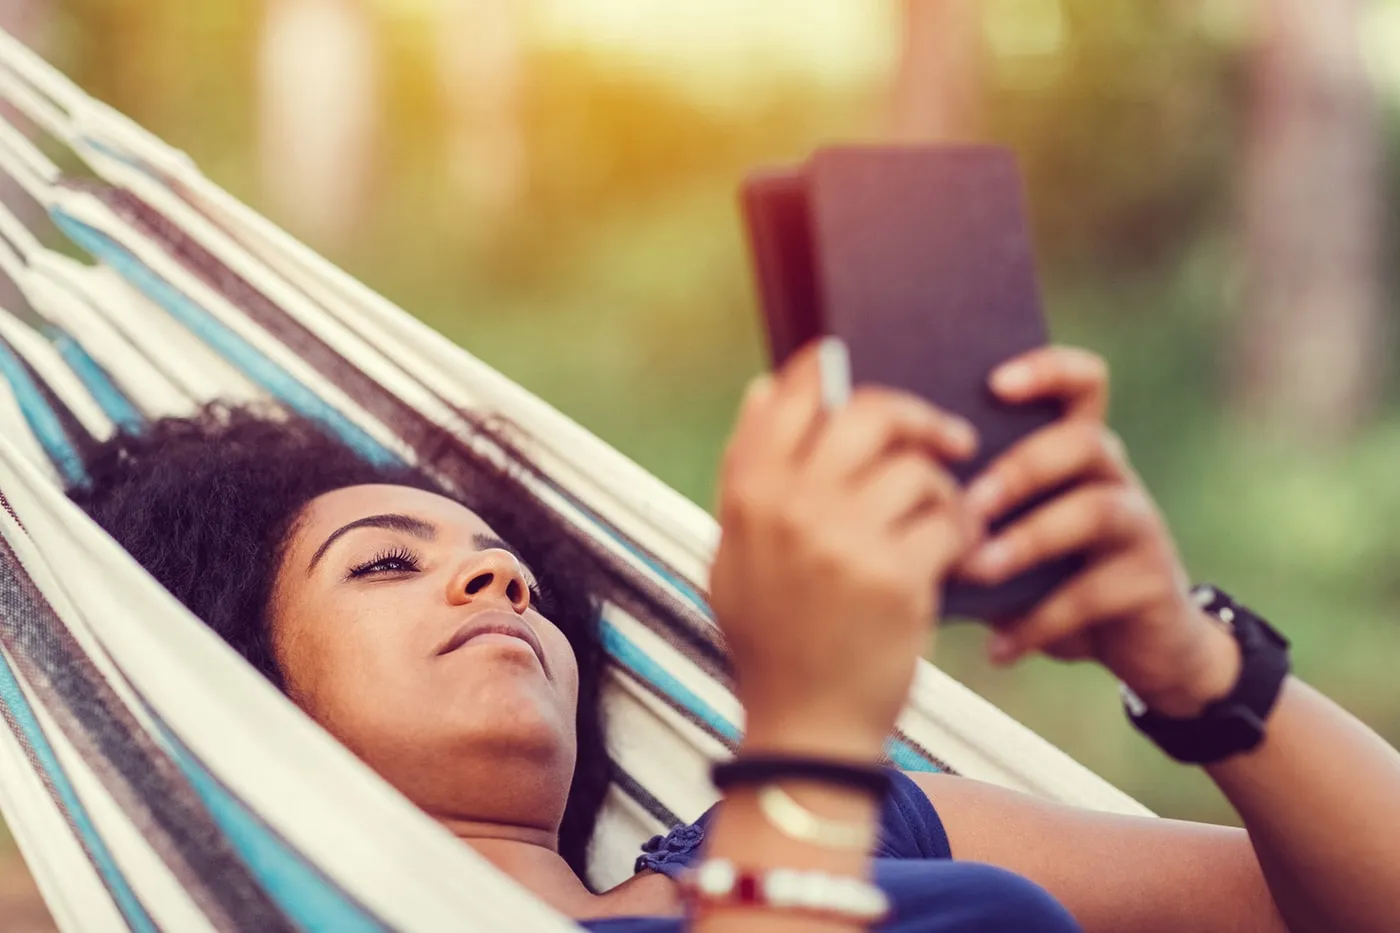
541,599
395,560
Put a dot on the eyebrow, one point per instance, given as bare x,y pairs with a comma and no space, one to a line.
393,521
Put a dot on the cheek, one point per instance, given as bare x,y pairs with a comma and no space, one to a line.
339,653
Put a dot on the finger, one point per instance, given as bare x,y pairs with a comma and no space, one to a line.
794,409
935,540
1092,517
1108,591
751,423
1077,647
902,486
854,439
1076,377
1079,449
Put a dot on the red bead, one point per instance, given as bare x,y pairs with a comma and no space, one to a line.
746,890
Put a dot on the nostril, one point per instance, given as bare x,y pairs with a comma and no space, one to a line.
515,591
478,583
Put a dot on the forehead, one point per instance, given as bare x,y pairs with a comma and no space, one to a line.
330,511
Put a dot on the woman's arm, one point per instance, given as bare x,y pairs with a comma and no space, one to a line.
836,528
1115,874
1320,797
1321,800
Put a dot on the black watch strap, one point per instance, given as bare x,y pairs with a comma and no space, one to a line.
1237,723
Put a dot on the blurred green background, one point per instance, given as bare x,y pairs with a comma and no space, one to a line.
552,184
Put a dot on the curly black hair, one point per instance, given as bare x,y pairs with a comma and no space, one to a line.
206,504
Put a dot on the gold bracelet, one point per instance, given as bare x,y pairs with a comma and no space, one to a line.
797,822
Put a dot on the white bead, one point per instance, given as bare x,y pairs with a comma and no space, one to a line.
1204,596
812,890
782,887
716,878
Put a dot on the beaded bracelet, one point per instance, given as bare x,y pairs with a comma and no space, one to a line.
721,883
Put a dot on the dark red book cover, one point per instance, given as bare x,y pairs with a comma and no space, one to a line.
920,259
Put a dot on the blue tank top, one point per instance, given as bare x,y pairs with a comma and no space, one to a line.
930,892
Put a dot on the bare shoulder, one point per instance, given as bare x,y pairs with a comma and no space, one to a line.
1113,872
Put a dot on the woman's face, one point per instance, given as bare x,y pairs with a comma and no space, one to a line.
405,626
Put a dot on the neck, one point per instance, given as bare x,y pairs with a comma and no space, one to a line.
531,857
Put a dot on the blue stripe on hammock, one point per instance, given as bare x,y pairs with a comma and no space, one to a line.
254,364
904,757
687,592
14,700
48,430
627,653
306,895
114,402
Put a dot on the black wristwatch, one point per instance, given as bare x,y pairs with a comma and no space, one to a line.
1236,723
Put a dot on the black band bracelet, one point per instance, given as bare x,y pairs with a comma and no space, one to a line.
764,769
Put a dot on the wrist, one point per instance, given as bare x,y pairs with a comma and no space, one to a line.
812,739
1209,674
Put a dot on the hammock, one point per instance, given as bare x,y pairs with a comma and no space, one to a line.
151,778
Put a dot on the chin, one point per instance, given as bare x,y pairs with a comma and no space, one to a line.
507,715
521,752
460,761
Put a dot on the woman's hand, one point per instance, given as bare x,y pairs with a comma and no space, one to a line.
837,529
1130,607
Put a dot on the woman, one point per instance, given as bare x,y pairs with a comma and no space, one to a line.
464,669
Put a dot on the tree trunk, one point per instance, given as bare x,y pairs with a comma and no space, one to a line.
1310,340
318,109
480,68
938,88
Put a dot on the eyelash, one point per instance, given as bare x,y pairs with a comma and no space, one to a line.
376,565
539,598
410,562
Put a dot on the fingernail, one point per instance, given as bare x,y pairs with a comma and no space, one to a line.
990,558
759,386
1001,648
834,366
963,433
984,495
1011,378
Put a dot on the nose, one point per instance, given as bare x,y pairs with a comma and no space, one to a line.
490,575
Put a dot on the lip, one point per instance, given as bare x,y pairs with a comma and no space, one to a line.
494,623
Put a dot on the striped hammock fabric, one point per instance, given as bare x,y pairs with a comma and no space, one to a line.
152,779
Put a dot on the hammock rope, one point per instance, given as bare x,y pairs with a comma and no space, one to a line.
152,779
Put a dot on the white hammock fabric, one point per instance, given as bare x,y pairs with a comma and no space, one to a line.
152,779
